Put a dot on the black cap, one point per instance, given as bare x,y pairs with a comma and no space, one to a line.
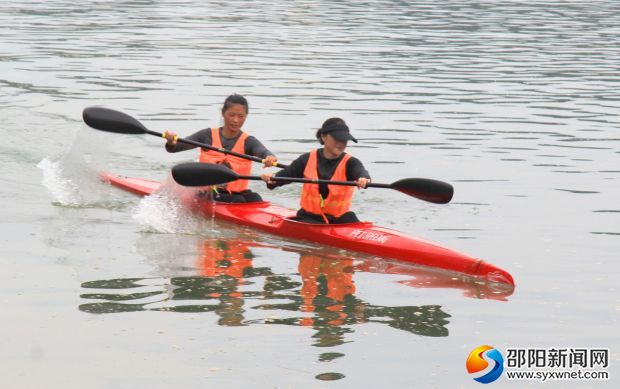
340,131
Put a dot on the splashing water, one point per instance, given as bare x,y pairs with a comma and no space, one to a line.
71,176
72,180
162,212
62,189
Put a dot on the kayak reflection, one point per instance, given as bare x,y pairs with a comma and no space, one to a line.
319,293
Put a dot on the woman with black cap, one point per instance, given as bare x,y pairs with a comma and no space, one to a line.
325,203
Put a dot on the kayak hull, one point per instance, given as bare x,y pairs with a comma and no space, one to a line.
362,237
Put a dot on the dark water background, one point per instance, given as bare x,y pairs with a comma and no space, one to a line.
514,103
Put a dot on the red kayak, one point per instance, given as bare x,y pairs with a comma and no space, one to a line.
361,237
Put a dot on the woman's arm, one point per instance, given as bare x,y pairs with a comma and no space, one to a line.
295,170
202,136
356,170
255,148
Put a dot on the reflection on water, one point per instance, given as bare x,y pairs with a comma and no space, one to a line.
280,296
319,294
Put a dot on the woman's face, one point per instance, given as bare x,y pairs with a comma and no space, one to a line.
333,147
234,117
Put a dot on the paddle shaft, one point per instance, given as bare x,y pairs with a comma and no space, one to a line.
204,174
221,149
315,181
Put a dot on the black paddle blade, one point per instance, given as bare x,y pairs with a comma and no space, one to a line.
202,174
109,120
426,189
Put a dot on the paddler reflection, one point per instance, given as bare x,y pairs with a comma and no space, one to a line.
323,279
327,292
226,261
324,300
331,278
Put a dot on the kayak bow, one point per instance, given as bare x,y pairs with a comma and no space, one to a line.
362,237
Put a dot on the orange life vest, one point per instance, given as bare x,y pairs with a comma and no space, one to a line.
339,199
239,165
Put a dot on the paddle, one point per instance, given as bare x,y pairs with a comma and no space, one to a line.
203,174
109,120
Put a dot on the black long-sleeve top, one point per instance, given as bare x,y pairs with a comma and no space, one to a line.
326,168
252,145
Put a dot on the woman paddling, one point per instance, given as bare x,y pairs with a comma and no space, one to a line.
230,137
324,203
